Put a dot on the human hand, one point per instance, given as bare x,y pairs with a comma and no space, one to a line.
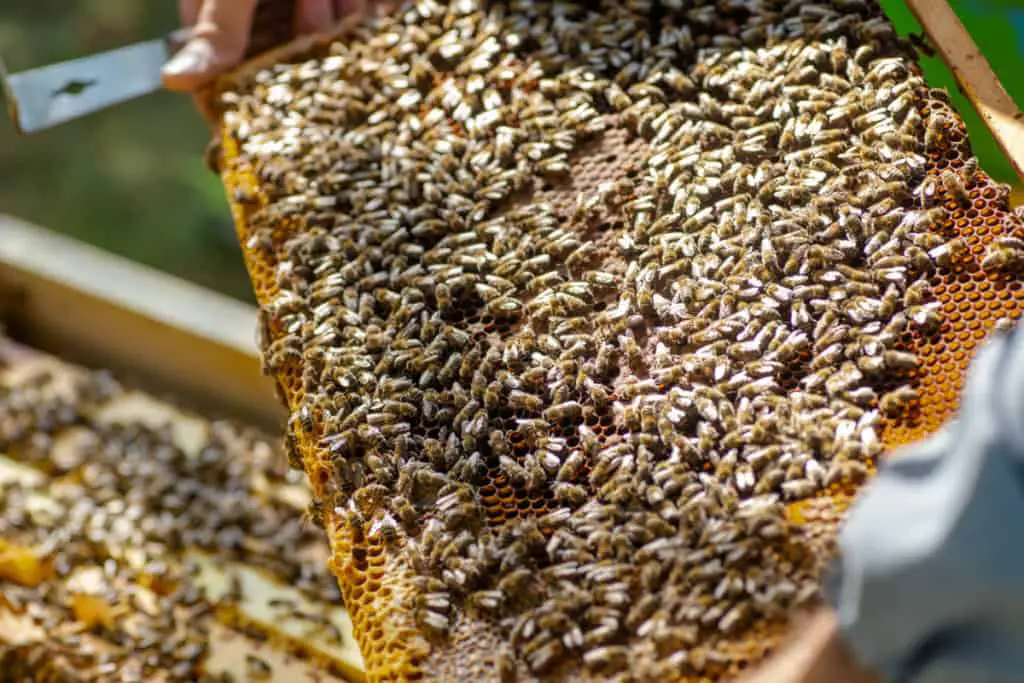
814,653
220,35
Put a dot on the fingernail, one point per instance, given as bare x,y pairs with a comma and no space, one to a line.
195,59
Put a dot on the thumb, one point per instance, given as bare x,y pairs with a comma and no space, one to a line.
219,41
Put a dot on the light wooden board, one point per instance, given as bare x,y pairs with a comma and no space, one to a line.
165,334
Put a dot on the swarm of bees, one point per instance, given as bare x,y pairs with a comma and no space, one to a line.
588,314
110,511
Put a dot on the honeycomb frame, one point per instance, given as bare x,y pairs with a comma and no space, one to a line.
393,646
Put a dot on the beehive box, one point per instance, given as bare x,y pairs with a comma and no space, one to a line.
141,542
590,317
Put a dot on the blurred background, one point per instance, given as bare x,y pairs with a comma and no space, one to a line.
132,180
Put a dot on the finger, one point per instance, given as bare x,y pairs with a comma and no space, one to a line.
219,41
227,24
189,10
314,16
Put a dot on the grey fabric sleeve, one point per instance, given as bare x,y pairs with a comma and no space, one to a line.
929,586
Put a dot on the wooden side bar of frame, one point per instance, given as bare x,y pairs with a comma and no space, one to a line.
979,82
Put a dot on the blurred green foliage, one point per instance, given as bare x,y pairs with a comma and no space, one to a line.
132,180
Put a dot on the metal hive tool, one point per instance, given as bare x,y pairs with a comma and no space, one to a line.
591,316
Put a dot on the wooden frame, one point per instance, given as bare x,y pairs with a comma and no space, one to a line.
167,335
979,83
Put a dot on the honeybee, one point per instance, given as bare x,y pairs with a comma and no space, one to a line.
394,386
969,170
433,622
849,470
828,356
315,512
570,494
798,489
568,410
571,468
936,126
871,364
844,379
954,184
861,396
1005,255
525,401
1004,324
386,529
945,254
896,400
607,658
404,512
926,316
353,518
900,360
917,293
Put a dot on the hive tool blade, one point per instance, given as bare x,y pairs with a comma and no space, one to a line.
44,97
